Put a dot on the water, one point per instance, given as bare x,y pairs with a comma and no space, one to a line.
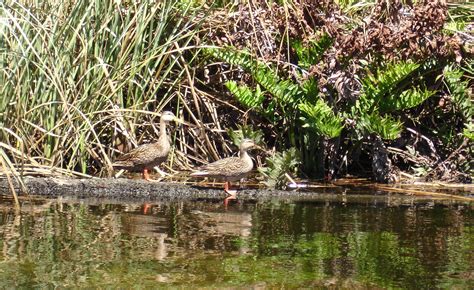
278,243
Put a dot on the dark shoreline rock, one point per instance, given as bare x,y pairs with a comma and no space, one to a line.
137,190
102,188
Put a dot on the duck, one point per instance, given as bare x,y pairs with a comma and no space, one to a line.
230,168
145,157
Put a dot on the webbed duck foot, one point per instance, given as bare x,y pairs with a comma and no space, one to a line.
147,177
146,208
227,189
232,193
226,200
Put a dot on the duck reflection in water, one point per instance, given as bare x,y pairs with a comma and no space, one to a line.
179,228
152,227
213,229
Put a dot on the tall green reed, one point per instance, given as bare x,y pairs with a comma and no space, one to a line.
79,77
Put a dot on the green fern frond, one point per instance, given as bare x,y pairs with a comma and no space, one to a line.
380,95
285,91
386,80
385,127
468,131
321,118
241,58
459,94
310,89
286,94
248,98
458,89
407,99
245,131
311,53
278,165
453,26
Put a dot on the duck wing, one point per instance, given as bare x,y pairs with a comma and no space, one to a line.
141,155
230,166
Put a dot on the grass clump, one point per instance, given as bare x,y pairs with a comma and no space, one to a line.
83,78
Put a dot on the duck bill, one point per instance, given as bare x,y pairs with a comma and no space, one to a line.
266,151
258,147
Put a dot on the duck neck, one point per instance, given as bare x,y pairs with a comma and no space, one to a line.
244,154
162,129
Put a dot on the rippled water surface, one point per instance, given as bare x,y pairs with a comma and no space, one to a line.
277,243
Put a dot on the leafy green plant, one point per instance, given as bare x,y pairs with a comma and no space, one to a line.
286,96
278,166
469,131
284,92
321,118
310,53
384,93
246,96
420,171
244,131
407,99
384,126
458,89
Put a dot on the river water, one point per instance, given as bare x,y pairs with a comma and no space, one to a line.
275,243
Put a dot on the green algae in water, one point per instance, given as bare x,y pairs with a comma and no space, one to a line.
275,244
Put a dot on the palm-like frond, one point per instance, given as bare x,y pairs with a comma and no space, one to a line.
407,99
278,165
321,118
286,94
375,87
382,94
458,89
384,126
246,96
311,53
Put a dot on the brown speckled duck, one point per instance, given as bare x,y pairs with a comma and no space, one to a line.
231,168
144,157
